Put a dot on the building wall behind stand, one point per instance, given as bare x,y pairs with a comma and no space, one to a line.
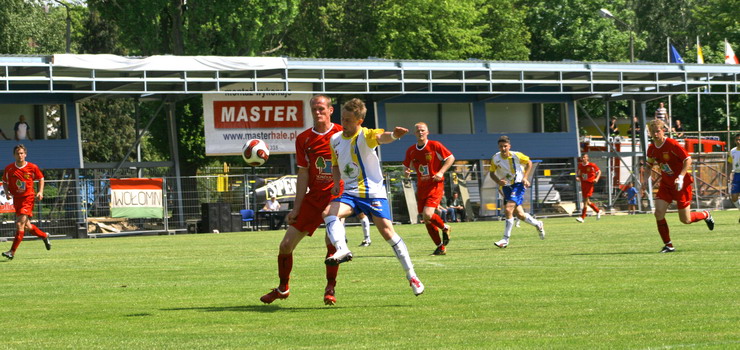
58,153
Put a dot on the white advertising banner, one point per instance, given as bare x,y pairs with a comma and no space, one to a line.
241,114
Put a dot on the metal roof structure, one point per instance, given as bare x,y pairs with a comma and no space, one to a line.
639,81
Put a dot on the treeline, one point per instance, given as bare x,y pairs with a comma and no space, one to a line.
511,30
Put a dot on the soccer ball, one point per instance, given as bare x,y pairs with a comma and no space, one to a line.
255,152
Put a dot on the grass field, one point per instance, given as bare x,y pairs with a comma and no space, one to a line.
601,284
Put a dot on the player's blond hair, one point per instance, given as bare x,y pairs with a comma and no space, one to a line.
356,107
656,124
316,97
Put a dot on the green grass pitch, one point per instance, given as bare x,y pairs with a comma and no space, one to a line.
600,285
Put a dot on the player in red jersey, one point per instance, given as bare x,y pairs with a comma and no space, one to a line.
430,159
18,181
675,182
313,157
588,174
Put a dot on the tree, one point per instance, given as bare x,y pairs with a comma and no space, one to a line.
29,27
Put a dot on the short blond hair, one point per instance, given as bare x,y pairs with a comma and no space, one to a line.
656,124
356,107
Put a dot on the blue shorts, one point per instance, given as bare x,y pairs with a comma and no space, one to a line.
514,193
735,183
632,201
369,206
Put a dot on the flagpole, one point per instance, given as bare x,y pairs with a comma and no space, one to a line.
670,112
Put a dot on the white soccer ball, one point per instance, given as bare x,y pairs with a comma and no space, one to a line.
216,231
255,152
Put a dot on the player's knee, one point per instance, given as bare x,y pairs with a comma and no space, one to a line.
686,220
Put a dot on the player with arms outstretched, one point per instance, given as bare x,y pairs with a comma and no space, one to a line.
430,159
675,182
18,181
355,161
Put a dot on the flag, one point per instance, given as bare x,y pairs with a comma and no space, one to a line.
675,57
699,52
730,57
136,198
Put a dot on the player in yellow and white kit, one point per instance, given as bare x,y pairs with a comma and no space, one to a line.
355,162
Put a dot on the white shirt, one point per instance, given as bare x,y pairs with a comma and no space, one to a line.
511,169
359,163
734,159
271,205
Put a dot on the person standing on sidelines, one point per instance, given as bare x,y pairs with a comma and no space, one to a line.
588,174
631,193
675,182
313,157
510,170
430,160
734,159
355,161
18,181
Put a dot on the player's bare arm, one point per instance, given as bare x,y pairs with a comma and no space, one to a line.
390,136
439,176
495,179
527,170
337,177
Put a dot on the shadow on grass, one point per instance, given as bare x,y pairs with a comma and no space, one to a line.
270,308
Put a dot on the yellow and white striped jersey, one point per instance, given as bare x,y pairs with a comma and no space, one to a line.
511,169
359,163
734,159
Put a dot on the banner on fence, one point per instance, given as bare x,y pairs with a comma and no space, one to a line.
6,205
136,198
240,114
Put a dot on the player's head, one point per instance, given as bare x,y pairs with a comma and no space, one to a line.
20,152
656,128
504,144
421,131
353,113
584,158
737,139
321,108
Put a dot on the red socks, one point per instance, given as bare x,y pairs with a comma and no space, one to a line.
285,265
434,234
699,215
583,213
38,232
437,221
331,271
17,241
664,232
594,207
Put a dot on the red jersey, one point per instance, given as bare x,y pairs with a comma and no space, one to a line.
588,172
427,162
313,152
20,180
669,157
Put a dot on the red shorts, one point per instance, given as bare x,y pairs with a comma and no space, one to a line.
429,196
23,205
587,189
309,217
669,194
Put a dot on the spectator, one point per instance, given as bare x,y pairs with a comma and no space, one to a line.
613,128
678,129
661,113
22,129
457,204
446,212
637,128
272,204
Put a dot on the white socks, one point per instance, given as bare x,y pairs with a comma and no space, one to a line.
402,253
508,226
366,227
530,220
336,233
